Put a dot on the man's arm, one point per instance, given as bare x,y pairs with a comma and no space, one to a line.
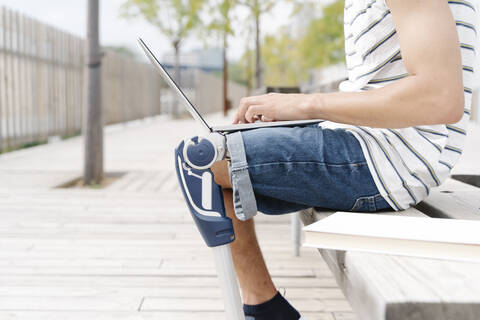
431,94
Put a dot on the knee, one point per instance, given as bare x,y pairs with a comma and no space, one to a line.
220,173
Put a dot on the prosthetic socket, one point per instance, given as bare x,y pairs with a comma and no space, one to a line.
193,159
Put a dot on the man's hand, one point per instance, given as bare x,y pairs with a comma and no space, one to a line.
274,107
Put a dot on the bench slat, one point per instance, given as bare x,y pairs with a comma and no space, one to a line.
454,204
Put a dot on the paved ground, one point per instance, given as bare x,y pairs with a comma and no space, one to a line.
129,251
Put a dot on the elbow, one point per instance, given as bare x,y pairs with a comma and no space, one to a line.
454,114
449,106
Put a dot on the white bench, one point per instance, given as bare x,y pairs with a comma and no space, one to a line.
383,287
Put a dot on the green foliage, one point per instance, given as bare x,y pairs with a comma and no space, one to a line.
282,61
71,135
288,59
24,146
324,41
174,18
220,11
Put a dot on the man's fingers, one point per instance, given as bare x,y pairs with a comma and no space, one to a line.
254,112
250,107
245,103
266,119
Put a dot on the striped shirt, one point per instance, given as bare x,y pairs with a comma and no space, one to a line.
405,163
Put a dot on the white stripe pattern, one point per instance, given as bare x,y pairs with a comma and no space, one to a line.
405,163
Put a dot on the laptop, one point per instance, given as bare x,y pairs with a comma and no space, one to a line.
197,116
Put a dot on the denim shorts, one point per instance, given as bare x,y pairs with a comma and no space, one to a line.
283,170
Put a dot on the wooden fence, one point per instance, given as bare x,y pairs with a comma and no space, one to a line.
41,83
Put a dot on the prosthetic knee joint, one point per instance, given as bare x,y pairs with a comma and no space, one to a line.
193,159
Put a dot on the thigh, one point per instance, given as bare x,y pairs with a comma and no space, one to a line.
294,168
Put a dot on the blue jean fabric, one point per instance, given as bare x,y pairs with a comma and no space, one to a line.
283,170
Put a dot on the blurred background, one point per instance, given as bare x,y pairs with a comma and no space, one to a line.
93,223
219,51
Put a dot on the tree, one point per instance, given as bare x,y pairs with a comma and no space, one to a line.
221,24
93,120
287,57
257,9
176,19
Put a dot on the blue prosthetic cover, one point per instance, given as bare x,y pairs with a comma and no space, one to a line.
209,212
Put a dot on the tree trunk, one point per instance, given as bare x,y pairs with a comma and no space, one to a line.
258,57
93,119
225,76
249,72
176,47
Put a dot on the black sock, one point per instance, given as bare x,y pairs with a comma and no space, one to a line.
275,309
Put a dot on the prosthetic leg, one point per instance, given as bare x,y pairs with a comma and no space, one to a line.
193,160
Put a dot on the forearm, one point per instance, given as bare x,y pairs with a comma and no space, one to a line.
411,101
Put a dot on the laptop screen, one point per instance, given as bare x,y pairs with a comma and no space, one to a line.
193,111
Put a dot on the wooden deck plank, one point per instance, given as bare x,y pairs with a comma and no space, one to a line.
159,292
72,304
112,315
453,204
158,271
195,282
209,304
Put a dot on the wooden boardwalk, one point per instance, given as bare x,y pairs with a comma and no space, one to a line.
129,251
